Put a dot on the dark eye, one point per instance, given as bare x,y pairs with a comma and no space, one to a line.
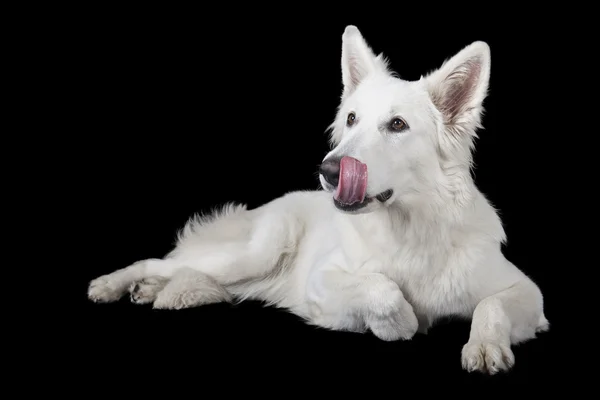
350,120
398,125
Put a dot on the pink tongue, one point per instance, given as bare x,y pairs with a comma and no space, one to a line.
352,186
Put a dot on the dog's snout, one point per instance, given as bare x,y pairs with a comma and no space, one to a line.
330,169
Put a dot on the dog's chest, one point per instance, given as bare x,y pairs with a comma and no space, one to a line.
431,271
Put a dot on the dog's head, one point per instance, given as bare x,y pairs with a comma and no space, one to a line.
398,141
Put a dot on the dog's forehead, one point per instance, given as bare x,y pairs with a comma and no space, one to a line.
388,94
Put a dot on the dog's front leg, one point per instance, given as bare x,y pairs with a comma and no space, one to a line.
499,321
355,302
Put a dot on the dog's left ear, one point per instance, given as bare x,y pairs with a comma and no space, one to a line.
460,85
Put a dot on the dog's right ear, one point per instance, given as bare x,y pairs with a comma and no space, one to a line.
358,60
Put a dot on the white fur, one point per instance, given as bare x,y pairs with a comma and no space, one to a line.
394,267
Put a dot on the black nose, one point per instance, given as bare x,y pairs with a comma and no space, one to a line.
330,169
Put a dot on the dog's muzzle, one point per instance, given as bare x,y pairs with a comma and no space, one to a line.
330,171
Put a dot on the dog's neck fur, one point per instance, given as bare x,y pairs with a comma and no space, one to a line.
444,198
430,214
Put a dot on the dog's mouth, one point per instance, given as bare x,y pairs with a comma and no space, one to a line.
350,207
351,191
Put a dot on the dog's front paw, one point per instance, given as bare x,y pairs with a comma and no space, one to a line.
104,290
390,316
146,290
487,357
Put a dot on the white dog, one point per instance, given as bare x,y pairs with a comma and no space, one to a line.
399,237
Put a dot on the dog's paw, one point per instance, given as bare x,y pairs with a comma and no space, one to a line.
390,316
396,326
190,288
104,290
487,357
146,290
177,300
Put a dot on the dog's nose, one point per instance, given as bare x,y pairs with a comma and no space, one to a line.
330,169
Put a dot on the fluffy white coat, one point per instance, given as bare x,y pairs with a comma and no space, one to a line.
394,266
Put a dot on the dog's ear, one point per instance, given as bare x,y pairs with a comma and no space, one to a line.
460,85
358,60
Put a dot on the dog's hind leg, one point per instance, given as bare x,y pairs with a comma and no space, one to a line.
111,287
233,246
166,283
190,288
146,290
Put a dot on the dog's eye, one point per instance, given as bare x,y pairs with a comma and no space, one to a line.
398,125
351,118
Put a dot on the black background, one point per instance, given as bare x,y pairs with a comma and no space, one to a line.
186,109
